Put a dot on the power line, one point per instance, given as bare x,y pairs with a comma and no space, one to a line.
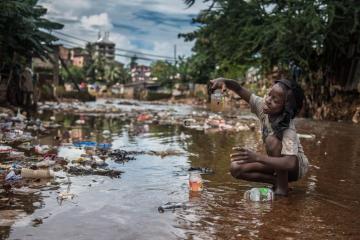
120,49
73,44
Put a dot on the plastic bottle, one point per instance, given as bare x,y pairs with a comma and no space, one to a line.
259,195
41,173
195,181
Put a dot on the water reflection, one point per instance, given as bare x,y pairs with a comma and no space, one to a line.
324,205
20,204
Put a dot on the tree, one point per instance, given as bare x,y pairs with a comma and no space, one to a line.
320,36
124,75
76,73
22,35
164,72
22,30
183,68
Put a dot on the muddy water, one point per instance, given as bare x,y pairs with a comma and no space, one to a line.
323,205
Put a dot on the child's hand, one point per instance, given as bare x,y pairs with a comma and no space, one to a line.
243,155
218,83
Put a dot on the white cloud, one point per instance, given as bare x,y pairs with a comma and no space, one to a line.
85,18
176,7
101,21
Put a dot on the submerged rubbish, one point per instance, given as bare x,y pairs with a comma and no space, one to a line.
202,170
65,196
171,206
119,155
195,181
259,195
90,171
38,174
12,176
307,136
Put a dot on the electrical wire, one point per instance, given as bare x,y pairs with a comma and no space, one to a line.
119,49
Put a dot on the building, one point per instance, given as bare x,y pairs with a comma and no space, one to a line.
140,73
103,47
79,57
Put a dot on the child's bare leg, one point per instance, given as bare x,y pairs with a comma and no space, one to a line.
255,172
273,148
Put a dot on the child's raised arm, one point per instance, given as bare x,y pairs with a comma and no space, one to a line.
223,84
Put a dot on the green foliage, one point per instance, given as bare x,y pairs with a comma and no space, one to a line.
236,34
22,29
164,72
116,73
102,69
76,73
183,68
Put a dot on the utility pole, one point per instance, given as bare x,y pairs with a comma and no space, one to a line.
174,68
175,54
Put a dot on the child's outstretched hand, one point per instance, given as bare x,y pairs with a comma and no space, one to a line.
243,155
218,83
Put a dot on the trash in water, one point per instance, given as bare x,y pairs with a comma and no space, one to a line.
90,171
65,196
202,170
42,149
307,136
46,163
171,206
168,152
37,174
144,117
12,176
119,155
195,181
84,144
5,149
259,194
104,146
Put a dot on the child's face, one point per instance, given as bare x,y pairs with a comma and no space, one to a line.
275,100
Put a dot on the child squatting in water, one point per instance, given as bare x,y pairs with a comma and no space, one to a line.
285,160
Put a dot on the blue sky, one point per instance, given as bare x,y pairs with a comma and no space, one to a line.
148,26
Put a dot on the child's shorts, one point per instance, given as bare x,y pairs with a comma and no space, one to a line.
303,164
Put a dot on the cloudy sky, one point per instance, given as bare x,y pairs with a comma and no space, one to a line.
148,26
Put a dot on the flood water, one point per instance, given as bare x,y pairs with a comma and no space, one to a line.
323,205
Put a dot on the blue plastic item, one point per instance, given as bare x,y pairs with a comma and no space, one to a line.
84,144
104,145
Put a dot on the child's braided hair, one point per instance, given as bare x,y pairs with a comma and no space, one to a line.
294,97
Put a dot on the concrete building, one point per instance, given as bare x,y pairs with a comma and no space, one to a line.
79,57
104,47
140,73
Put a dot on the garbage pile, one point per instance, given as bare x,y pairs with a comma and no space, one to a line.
199,120
23,162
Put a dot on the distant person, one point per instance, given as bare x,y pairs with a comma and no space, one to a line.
27,87
285,160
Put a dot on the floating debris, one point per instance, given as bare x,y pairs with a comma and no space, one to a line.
80,171
307,136
171,206
119,155
202,170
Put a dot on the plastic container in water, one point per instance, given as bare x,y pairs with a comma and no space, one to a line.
195,181
259,195
41,173
171,206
